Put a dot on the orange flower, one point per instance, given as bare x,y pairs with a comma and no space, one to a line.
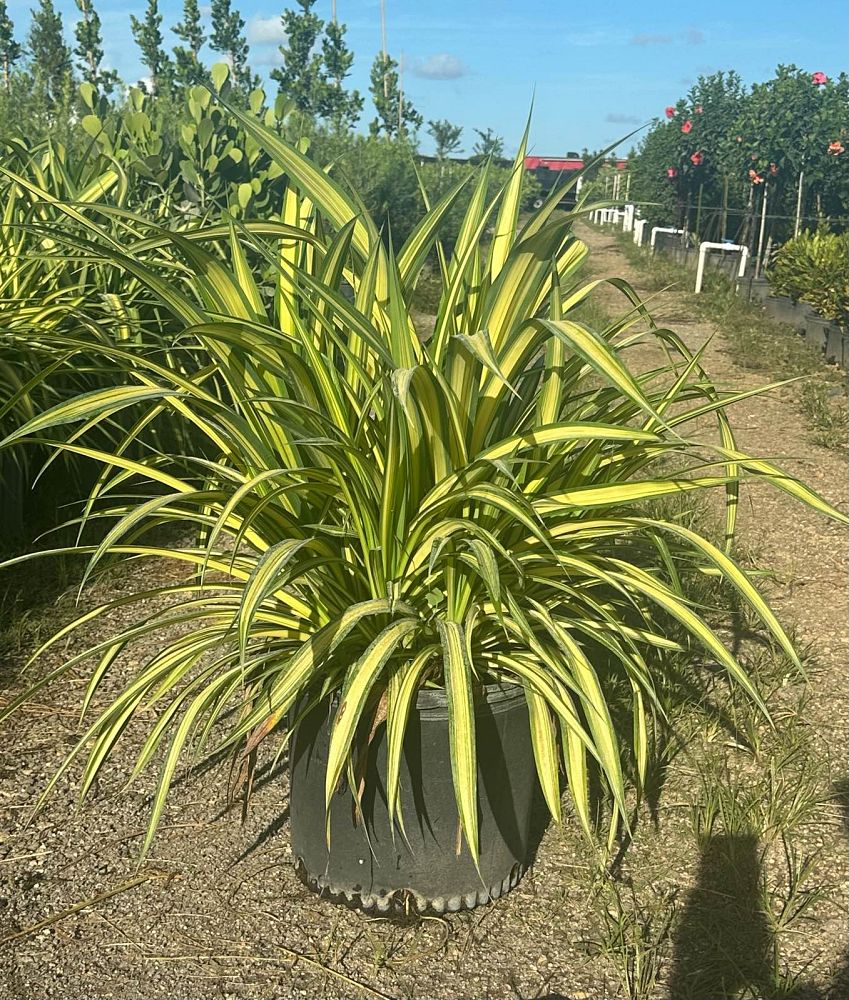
835,148
755,177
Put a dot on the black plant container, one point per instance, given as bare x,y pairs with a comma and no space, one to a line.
759,289
784,310
816,332
836,345
366,867
743,287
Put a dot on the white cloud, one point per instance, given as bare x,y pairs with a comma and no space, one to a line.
646,38
265,31
442,66
266,55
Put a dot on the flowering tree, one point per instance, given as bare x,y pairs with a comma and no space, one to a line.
686,153
787,127
724,147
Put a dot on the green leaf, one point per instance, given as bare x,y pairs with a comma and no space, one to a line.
219,73
461,728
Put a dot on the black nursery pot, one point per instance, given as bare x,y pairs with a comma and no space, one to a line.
784,310
758,289
366,867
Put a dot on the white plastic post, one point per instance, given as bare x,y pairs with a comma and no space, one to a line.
662,229
733,247
639,231
628,218
798,224
759,261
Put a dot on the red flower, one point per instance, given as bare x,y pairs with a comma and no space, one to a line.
819,79
835,148
755,177
698,109
696,159
670,112
687,127
671,173
773,169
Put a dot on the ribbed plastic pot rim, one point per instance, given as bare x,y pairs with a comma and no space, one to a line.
404,902
433,702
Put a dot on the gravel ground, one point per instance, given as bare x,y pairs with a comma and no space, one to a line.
216,909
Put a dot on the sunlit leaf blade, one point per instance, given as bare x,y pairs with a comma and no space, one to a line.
461,729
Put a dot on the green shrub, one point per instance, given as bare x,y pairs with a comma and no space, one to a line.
814,268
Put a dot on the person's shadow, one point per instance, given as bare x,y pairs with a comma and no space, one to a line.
722,947
840,987
722,943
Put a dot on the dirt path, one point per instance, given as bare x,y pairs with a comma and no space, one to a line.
223,914
806,552
807,555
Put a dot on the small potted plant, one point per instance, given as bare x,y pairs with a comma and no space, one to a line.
432,569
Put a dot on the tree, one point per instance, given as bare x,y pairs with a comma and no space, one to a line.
188,69
10,50
446,136
228,38
785,128
50,56
89,50
301,77
148,36
723,148
396,116
489,144
342,109
687,164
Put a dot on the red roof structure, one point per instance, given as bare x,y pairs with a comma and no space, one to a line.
561,163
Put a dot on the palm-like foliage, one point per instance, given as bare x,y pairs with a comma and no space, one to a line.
375,513
50,286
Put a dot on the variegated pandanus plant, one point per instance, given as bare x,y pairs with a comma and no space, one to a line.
376,509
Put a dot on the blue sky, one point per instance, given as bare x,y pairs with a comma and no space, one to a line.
597,70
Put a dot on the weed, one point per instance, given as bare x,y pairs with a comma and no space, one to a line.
635,936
